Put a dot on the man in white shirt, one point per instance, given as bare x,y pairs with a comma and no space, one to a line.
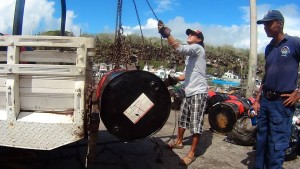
195,86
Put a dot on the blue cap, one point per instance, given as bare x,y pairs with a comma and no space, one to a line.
271,15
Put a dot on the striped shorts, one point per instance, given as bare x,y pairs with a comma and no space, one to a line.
192,113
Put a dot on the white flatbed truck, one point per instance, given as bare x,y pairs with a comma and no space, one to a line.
45,95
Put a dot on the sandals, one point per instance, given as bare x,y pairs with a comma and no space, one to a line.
175,146
188,160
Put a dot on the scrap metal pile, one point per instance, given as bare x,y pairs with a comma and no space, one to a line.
105,53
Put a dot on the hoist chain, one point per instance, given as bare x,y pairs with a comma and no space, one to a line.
152,10
118,35
121,52
118,17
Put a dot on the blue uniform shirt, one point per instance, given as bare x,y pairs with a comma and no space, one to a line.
282,62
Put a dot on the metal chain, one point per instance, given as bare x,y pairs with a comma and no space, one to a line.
118,17
118,35
138,17
152,10
119,55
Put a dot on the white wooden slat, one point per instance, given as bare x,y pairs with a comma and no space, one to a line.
2,80
46,102
50,82
2,91
32,69
45,90
48,56
3,41
3,68
50,41
2,96
3,56
2,100
47,41
2,87
46,93
44,56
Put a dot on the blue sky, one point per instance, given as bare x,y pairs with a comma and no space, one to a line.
221,21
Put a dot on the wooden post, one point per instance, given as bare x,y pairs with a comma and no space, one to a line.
253,50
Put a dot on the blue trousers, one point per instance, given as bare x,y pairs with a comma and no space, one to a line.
273,133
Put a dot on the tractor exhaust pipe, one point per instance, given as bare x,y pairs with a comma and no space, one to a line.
18,18
63,18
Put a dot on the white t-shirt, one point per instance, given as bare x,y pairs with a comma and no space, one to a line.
195,71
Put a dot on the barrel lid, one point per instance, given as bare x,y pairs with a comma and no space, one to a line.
134,104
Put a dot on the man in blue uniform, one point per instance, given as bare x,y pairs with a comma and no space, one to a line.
275,104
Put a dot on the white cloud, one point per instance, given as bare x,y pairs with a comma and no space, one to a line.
235,35
6,15
41,17
70,26
149,29
38,17
164,5
38,14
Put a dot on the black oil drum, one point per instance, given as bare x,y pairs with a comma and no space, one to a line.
223,115
133,104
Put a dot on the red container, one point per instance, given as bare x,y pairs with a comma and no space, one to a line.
223,115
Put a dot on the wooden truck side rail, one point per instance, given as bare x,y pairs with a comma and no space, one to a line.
43,92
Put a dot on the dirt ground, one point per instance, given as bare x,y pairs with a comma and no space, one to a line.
212,153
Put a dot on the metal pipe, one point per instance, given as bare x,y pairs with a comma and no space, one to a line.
63,18
18,17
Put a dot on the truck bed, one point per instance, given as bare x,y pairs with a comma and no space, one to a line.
43,92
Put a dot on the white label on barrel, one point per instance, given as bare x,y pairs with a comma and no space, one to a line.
138,108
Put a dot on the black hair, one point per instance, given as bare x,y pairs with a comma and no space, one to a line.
201,43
